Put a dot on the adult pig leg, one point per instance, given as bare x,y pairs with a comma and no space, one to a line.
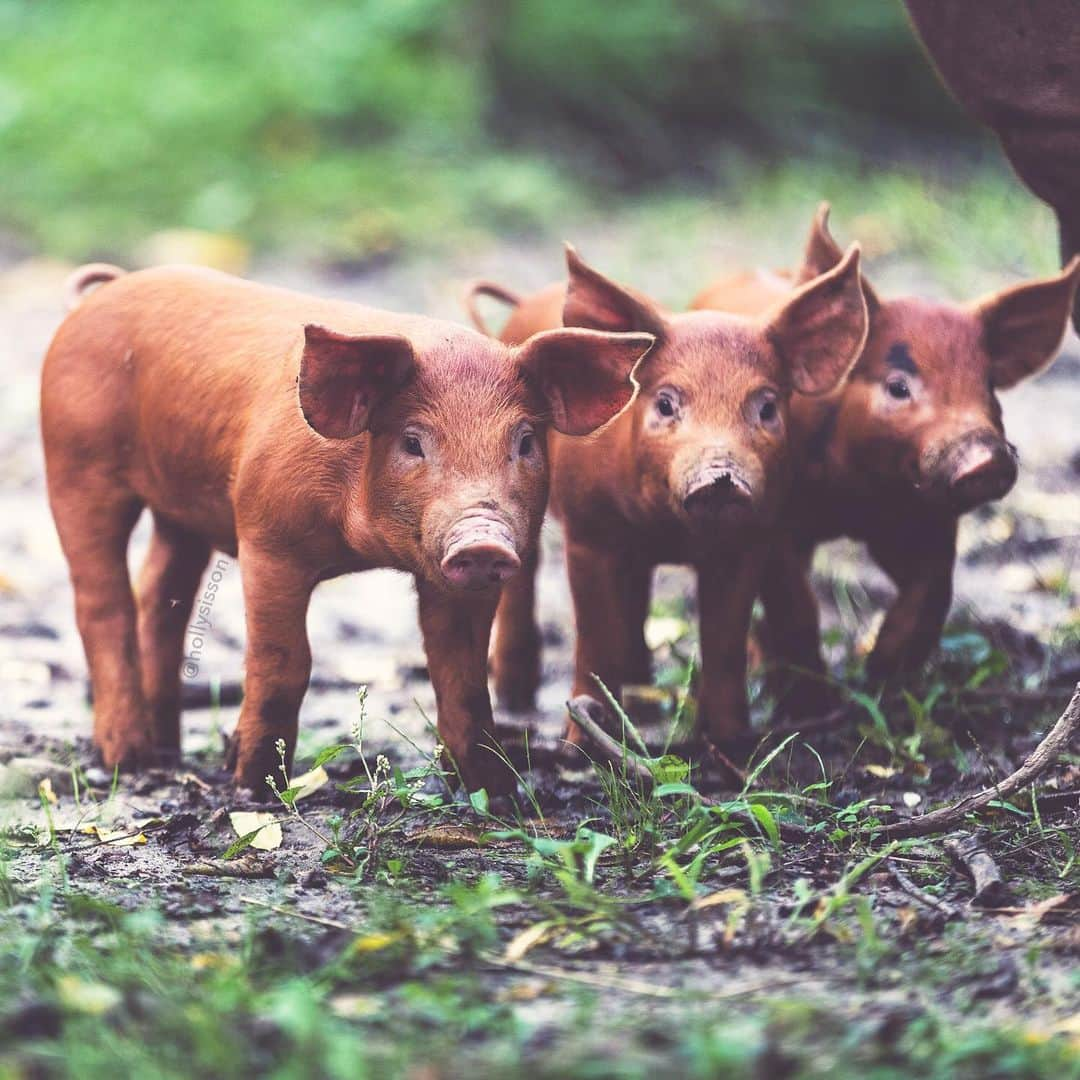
457,632
168,582
277,664
922,568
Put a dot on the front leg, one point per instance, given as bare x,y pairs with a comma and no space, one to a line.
610,587
277,664
923,572
792,632
515,660
457,631
727,587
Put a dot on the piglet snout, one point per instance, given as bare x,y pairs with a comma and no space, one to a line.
480,553
982,470
718,493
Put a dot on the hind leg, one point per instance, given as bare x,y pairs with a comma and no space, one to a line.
94,522
168,582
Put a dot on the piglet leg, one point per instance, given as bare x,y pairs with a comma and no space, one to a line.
793,635
923,572
727,589
610,586
457,631
277,665
516,656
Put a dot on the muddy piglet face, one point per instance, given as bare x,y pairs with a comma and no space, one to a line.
710,426
456,475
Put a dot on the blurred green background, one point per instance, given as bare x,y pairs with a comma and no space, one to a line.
348,129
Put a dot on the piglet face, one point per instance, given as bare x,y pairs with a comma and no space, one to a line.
710,426
455,474
920,412
922,409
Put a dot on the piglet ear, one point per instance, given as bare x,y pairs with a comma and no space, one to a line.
585,375
822,253
820,330
343,377
595,302
1023,326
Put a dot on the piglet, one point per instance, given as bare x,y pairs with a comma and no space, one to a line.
694,472
308,438
910,442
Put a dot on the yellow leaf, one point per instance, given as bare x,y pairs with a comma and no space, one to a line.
91,998
374,942
724,896
528,939
45,790
883,772
308,782
265,826
116,837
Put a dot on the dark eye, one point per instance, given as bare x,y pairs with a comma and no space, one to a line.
528,441
769,411
412,446
897,388
665,406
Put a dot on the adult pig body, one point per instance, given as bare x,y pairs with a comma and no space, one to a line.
310,438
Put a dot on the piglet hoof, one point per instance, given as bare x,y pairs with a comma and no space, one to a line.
722,767
578,750
128,754
251,765
806,697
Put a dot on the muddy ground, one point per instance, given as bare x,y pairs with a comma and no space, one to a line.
916,947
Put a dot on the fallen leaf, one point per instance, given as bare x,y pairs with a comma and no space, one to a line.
265,826
116,837
527,939
370,943
309,782
91,998
724,896
355,1006
883,772
45,790
911,799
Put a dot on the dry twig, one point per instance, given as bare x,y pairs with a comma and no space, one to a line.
1058,739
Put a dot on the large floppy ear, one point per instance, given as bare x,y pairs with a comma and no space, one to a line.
595,302
820,330
585,375
344,376
822,253
1022,327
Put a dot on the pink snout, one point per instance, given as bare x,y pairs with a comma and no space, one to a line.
981,472
480,554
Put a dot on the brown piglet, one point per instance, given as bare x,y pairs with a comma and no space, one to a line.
911,441
694,472
309,438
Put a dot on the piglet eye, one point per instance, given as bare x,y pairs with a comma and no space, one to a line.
525,446
897,388
665,406
769,411
412,446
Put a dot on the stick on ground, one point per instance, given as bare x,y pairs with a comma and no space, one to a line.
1059,738
968,851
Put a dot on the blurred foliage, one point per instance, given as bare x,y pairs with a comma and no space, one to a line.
358,125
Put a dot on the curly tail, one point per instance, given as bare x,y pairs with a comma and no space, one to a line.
477,289
84,278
